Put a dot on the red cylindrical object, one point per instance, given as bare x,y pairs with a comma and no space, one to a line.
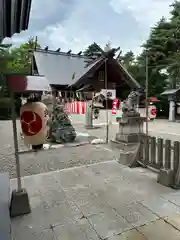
114,106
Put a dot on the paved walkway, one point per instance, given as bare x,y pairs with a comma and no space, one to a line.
98,201
161,128
103,200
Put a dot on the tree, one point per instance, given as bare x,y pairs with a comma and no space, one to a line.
93,49
22,57
159,45
163,46
157,80
5,57
174,70
13,60
127,59
174,56
158,48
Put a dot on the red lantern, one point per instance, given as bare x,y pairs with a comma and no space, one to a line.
153,111
31,123
34,117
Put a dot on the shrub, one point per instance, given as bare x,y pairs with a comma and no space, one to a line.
5,108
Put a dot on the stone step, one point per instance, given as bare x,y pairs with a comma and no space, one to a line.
122,145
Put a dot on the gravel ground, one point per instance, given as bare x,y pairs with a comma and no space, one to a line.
51,160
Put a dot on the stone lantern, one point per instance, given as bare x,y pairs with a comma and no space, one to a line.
172,97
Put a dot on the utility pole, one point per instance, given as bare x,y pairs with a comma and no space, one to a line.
147,80
36,42
106,87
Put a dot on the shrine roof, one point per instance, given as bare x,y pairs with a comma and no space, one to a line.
73,70
14,17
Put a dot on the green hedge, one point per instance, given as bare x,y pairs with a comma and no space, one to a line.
5,108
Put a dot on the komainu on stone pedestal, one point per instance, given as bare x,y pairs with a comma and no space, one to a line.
130,131
131,123
61,129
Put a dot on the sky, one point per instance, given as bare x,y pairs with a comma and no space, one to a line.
75,24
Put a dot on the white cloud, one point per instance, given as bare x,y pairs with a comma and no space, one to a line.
146,12
74,24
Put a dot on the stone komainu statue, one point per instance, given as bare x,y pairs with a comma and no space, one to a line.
61,129
130,104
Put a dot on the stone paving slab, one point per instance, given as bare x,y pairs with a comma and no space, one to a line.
108,224
159,230
161,207
129,235
174,197
174,220
45,218
136,214
77,231
156,230
30,233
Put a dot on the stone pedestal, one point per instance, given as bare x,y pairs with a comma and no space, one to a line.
129,135
89,116
172,113
130,130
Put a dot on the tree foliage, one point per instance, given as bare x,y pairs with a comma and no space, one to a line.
163,46
162,49
127,59
92,49
5,57
15,60
22,58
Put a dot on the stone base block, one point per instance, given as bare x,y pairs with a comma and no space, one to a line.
176,187
92,127
176,184
123,145
88,127
129,159
125,158
19,203
129,138
165,177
